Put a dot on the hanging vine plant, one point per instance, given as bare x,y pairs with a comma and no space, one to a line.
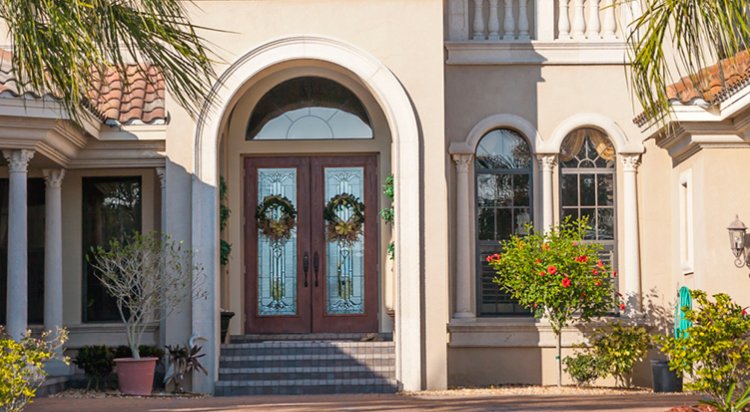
276,217
387,213
344,231
225,248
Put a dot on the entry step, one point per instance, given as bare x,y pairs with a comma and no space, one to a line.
351,337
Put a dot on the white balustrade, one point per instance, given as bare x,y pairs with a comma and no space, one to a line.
579,21
593,20
514,15
494,23
593,26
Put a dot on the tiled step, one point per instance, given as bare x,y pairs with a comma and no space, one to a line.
356,337
306,364
307,373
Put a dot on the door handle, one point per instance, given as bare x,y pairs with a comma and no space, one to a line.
316,267
306,265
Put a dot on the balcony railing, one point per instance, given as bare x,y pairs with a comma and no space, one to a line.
541,20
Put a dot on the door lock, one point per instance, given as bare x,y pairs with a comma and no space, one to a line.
316,267
306,265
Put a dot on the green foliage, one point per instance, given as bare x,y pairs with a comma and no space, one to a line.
730,403
182,361
67,47
145,351
715,351
673,38
22,366
225,248
388,214
618,348
97,362
584,368
556,275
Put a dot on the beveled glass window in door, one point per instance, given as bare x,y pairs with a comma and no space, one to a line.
587,185
277,258
309,108
345,258
503,195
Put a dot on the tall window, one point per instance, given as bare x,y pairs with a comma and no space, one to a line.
587,186
111,210
503,193
35,242
309,108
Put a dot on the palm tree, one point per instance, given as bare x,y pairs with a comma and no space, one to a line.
67,47
677,38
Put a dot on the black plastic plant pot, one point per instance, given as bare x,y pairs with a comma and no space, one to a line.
665,380
225,318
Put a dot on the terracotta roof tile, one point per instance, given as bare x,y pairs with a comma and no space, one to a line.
138,97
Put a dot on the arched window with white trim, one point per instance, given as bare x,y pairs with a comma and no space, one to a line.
503,169
587,186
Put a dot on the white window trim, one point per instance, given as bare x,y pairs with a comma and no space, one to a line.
687,233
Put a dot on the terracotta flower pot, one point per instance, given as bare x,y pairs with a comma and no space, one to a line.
136,376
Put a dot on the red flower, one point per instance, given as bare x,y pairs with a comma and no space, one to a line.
744,312
600,265
614,274
539,261
575,243
598,283
545,246
542,273
622,306
565,282
595,272
492,258
489,258
582,259
551,270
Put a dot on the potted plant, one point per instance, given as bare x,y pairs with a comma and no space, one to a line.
150,276
182,361
226,316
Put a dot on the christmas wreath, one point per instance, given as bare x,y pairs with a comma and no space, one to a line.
338,229
277,227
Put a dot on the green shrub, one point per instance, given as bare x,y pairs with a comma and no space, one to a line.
715,351
97,362
618,348
583,368
22,367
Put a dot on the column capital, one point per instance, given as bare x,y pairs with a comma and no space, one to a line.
630,162
462,161
547,161
53,177
18,160
162,173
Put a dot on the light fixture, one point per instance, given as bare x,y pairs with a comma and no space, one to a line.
737,231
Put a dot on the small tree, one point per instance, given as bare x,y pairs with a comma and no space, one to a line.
150,276
557,276
714,351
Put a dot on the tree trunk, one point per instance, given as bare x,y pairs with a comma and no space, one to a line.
559,359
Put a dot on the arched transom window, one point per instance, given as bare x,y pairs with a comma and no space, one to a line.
503,207
587,185
309,108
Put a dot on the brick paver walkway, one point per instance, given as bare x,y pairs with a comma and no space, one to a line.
370,403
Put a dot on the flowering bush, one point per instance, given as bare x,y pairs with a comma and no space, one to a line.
556,275
22,366
715,350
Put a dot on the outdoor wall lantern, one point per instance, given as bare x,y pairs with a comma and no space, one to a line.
737,231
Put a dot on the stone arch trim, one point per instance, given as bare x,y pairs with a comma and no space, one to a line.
396,105
497,121
597,121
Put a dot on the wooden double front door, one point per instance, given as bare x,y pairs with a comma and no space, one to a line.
311,239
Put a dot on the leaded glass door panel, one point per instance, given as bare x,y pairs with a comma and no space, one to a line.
311,244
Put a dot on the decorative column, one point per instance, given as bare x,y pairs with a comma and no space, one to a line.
563,22
464,278
632,261
579,21
523,20
609,26
17,301
478,20
493,25
162,174
53,274
593,26
548,163
509,23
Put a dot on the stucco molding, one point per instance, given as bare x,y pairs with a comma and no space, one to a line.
536,52
594,120
497,121
397,107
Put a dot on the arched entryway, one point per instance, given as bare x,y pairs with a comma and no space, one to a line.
214,125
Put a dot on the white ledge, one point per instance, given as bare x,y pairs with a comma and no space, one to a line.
536,52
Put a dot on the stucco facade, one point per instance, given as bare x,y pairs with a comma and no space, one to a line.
435,77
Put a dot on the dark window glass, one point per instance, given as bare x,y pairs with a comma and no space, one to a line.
503,194
111,210
309,108
587,185
35,242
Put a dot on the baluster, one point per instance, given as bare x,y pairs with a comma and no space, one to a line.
579,22
510,21
494,23
563,23
609,26
637,10
478,20
593,25
523,19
